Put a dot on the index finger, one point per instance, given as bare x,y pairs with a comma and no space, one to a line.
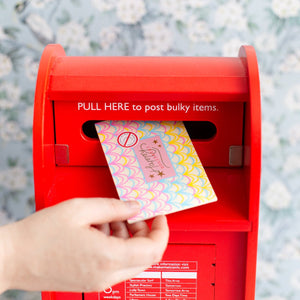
148,249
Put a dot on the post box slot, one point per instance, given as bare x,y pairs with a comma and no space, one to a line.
198,130
89,130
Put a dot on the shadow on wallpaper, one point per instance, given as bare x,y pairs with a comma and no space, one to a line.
165,27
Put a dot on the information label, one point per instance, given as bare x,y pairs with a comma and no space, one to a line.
174,280
166,281
188,272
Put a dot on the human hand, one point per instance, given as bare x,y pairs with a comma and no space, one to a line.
68,247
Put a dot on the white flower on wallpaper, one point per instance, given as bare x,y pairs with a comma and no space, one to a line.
40,3
104,5
295,280
177,9
277,196
274,298
270,135
291,250
265,42
232,46
108,36
197,3
73,35
231,15
9,95
292,163
31,68
40,28
130,11
267,86
292,98
285,8
158,38
5,65
265,232
13,178
27,117
294,134
10,130
266,270
199,31
291,62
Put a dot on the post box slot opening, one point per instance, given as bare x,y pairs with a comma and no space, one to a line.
198,130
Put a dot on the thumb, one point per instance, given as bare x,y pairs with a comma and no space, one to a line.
104,210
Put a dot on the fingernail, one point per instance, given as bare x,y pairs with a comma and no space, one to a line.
134,205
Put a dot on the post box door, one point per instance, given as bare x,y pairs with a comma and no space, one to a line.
186,272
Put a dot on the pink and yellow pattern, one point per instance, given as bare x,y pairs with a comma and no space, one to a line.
156,164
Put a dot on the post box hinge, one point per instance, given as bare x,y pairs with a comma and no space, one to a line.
236,156
61,154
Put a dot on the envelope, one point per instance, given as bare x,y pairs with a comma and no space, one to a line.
156,164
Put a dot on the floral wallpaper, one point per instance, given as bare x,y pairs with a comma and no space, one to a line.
165,27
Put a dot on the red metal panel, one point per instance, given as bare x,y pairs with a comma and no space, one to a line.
141,78
61,296
229,213
252,137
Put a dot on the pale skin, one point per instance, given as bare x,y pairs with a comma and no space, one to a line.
79,245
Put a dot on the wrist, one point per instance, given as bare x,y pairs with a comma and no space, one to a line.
6,258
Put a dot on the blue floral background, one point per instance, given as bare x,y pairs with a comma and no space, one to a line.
165,27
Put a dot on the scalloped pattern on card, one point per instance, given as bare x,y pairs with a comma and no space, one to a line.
155,163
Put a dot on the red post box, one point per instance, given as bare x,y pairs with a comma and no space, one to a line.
212,249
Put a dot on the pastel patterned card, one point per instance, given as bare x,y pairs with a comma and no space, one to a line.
155,163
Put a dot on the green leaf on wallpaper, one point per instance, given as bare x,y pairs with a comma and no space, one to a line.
11,294
276,23
11,31
27,97
180,26
12,162
64,18
15,57
95,46
76,2
88,22
3,94
253,26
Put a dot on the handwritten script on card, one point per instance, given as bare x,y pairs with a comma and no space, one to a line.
153,159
